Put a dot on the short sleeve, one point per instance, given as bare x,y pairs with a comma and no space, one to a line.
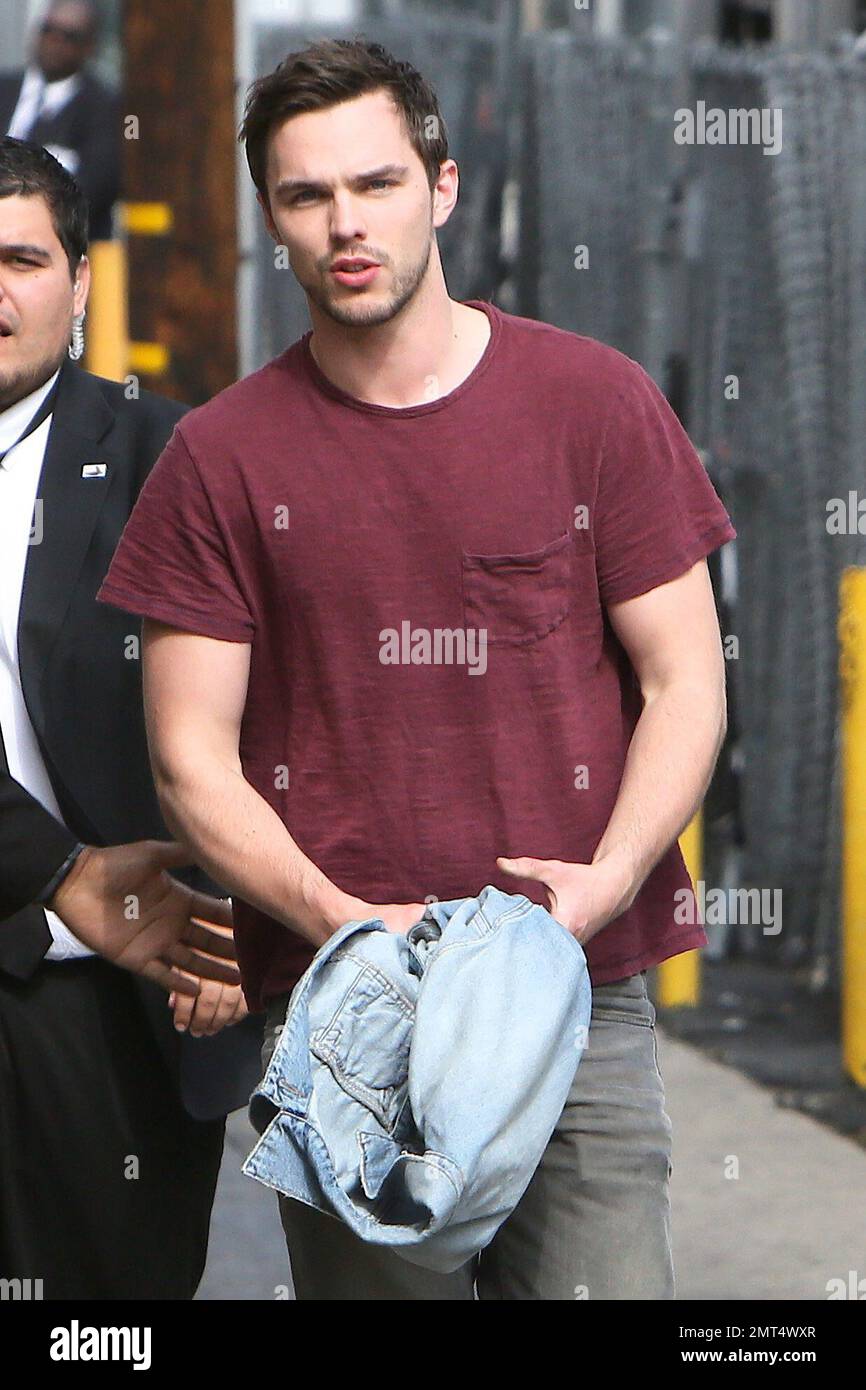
172,562
656,511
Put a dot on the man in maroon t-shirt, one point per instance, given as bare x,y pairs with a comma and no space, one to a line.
427,607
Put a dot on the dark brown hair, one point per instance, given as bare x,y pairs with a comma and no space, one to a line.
335,70
29,171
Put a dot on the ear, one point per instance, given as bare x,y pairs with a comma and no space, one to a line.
82,280
445,191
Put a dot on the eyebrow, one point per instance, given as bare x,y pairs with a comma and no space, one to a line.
24,249
384,171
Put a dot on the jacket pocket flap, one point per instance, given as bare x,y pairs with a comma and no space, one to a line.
379,1153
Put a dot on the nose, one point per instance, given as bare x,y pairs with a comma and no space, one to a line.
347,222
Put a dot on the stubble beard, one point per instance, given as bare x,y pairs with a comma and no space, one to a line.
357,313
18,382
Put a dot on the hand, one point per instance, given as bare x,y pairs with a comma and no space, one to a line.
121,902
583,898
215,1007
398,917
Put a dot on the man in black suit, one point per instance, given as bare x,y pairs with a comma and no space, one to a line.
56,102
111,1121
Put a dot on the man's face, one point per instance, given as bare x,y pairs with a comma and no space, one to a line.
64,39
37,297
346,183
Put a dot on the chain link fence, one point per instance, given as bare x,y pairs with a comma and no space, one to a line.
748,269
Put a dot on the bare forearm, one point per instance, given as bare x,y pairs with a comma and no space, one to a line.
241,842
668,768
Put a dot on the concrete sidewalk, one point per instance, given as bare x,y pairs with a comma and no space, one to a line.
793,1219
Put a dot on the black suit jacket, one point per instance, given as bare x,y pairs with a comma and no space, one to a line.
89,124
81,678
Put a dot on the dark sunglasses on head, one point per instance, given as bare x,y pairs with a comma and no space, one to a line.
62,31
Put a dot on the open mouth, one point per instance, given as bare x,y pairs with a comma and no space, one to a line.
354,272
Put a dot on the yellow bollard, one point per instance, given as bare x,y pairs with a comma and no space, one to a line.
107,347
852,668
678,980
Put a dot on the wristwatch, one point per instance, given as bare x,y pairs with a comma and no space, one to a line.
55,881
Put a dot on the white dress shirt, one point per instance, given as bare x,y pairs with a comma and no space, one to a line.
46,98
19,479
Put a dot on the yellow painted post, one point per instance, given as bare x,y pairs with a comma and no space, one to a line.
678,980
852,662
149,359
106,338
147,219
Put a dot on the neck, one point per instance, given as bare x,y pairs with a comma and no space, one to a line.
419,354
50,77
18,390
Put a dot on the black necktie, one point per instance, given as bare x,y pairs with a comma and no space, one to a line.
24,937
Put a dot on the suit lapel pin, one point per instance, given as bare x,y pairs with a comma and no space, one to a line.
94,470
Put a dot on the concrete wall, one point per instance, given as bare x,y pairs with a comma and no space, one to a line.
14,25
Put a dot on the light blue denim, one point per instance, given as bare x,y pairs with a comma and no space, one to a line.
418,1078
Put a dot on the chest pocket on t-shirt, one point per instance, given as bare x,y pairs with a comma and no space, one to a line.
519,599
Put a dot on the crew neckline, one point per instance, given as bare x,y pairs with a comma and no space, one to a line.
403,412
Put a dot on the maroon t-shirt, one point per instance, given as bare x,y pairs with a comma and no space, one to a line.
433,679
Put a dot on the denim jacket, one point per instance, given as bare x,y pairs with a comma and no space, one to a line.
418,1078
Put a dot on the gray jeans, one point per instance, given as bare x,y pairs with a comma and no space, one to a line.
594,1221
